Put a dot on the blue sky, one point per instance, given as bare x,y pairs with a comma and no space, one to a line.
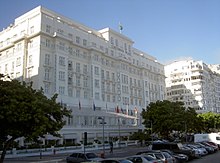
166,29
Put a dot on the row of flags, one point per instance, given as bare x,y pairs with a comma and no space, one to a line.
117,110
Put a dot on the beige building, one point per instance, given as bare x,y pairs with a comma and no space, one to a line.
94,72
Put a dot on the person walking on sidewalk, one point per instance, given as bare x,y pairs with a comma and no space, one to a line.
111,146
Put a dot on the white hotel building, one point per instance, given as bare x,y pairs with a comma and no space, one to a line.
194,83
85,67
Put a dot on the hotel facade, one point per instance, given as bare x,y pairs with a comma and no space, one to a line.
95,73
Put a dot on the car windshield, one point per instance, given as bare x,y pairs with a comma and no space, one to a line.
149,158
91,155
125,161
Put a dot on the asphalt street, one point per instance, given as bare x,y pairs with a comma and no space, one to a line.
122,152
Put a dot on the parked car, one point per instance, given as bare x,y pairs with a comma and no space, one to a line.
197,153
78,157
144,159
164,156
180,158
175,147
202,151
211,145
115,160
207,147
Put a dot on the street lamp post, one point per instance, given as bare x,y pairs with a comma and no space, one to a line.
119,134
103,133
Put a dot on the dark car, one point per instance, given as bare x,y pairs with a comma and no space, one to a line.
78,157
175,147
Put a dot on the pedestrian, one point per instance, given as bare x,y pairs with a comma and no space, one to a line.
111,146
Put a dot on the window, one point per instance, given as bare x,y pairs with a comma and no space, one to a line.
108,98
18,61
30,60
78,67
61,90
85,67
60,31
78,81
113,88
97,95
107,75
103,97
31,44
85,82
62,61
61,75
78,93
97,83
113,76
84,42
47,59
46,87
12,66
112,53
70,92
108,87
86,95
32,29
47,43
96,70
61,46
29,75
70,36
77,39
46,74
19,47
113,98
112,41
48,28
77,52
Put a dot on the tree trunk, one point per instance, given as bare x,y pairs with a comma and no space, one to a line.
3,154
7,144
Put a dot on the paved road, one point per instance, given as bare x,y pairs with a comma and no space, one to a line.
212,158
122,152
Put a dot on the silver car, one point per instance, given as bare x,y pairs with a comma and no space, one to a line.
144,159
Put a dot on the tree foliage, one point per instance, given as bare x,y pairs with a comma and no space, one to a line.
25,112
211,121
166,116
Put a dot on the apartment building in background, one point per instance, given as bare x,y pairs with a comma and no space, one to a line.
195,83
97,74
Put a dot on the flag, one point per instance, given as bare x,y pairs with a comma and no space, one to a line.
135,111
131,112
122,111
93,106
120,27
127,110
117,109
79,105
